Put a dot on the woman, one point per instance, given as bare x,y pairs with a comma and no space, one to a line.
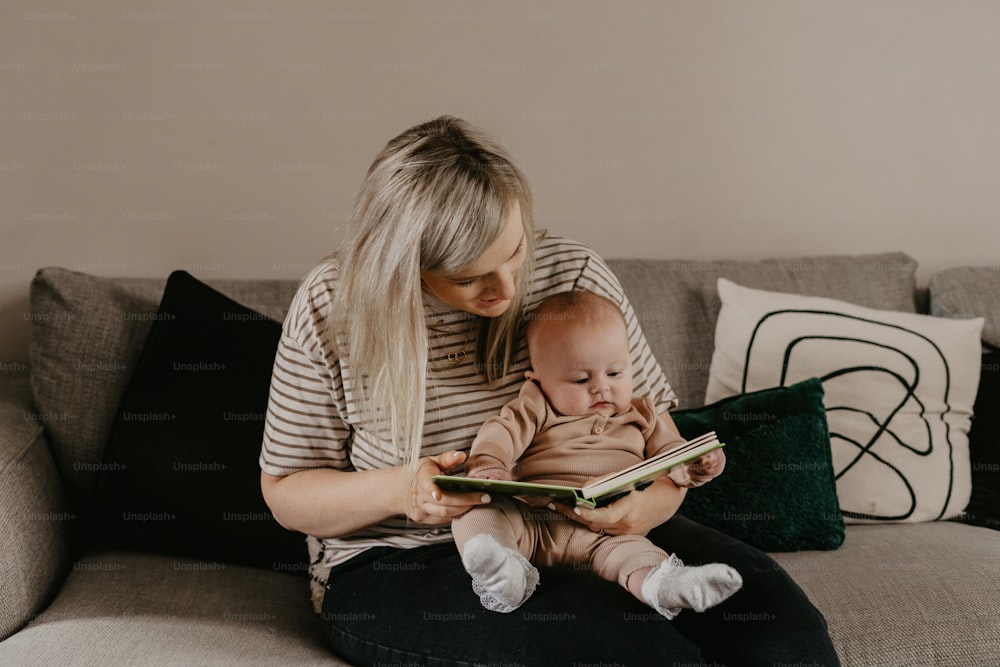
394,352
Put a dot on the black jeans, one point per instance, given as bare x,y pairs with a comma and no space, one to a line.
416,607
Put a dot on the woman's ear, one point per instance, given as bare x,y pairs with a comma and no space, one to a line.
530,375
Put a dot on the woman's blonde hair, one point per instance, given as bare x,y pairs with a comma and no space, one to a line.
435,198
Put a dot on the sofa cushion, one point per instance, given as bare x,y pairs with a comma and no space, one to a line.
127,608
677,304
970,291
87,333
775,439
907,594
34,523
899,390
180,474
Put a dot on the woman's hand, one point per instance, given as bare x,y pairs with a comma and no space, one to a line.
426,503
635,514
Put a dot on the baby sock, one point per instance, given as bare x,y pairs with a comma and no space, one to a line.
501,577
673,586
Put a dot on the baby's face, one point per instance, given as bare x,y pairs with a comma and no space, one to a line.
583,370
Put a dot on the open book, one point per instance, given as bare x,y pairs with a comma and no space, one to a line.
601,491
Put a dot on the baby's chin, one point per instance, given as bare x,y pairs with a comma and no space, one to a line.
606,409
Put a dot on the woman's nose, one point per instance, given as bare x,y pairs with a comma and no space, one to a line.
501,282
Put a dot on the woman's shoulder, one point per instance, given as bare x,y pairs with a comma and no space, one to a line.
322,276
559,257
551,246
313,297
320,283
563,264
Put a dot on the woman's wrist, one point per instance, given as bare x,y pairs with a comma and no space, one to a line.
662,503
653,506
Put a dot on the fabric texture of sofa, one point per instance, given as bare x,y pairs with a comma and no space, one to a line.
73,590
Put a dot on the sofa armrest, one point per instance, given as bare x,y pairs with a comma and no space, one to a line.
34,529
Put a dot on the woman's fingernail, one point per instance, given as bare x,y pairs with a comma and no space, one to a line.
576,511
486,498
552,506
436,495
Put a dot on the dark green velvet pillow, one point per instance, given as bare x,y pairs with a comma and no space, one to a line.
777,492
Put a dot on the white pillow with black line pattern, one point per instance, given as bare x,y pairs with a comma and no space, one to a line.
899,390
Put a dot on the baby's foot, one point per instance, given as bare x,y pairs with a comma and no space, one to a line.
501,577
673,586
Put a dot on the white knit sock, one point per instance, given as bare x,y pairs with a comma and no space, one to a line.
673,586
501,577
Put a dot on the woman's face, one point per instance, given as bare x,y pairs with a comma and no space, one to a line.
486,286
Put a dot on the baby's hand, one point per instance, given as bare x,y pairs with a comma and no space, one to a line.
498,474
709,465
701,470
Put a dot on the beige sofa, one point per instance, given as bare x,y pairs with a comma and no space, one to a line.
894,594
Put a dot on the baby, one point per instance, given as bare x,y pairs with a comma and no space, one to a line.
575,419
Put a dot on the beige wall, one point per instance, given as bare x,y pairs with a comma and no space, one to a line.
229,138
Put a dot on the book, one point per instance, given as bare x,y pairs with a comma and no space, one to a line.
600,492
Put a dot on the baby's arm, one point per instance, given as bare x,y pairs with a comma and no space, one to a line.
661,435
493,453
498,473
489,459
503,438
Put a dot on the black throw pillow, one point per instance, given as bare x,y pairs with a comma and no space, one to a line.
180,473
984,448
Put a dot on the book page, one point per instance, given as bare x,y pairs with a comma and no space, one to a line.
659,464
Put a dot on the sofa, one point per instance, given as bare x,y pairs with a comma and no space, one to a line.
165,583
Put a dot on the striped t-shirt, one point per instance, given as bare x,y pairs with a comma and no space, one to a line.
313,420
